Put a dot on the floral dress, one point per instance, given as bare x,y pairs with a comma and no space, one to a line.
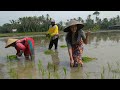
76,45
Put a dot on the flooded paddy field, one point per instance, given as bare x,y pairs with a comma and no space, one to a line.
105,46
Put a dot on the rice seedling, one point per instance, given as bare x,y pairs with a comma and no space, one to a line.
54,68
13,73
56,74
49,75
87,59
114,76
40,66
102,73
88,75
102,76
51,70
49,52
116,70
11,57
65,70
51,66
103,70
109,67
63,46
43,72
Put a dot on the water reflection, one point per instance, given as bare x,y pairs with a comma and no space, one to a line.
76,73
97,37
55,60
1,71
24,69
27,69
41,41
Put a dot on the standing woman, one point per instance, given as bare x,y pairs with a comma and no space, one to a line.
25,45
75,39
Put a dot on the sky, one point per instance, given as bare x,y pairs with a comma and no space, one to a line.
5,16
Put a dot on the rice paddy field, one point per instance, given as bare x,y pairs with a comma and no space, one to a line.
103,51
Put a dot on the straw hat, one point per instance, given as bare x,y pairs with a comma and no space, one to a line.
9,42
74,22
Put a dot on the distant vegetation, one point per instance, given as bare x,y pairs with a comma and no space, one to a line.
41,23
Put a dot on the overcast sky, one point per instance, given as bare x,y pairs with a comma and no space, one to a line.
5,16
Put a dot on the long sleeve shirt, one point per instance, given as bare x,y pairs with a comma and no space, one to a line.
25,45
53,30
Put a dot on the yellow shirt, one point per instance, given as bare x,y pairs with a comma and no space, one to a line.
53,30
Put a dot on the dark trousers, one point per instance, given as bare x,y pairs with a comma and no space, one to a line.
55,42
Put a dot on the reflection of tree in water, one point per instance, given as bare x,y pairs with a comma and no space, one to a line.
41,41
76,73
113,36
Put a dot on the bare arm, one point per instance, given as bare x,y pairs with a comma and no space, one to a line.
70,53
69,50
86,39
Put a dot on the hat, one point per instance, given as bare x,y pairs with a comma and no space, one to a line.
52,20
74,22
9,42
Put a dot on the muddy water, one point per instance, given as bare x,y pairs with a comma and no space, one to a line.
105,46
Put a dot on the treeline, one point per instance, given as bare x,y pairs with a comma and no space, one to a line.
41,23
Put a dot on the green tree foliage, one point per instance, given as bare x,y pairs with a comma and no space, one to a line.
41,23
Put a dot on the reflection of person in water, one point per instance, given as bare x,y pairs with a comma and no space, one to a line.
26,69
76,73
55,60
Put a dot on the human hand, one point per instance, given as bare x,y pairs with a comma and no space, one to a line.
71,63
47,35
27,57
20,53
88,33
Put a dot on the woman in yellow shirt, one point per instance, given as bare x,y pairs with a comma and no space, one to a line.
54,35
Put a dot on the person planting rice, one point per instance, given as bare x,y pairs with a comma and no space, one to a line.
25,45
75,39
53,33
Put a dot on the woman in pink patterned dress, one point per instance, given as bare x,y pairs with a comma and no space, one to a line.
25,45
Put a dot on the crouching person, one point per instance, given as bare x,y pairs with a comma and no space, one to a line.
25,45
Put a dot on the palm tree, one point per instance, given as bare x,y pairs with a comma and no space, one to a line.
89,16
96,13
79,19
118,19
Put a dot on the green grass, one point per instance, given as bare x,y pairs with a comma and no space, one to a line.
49,52
87,59
12,57
21,34
63,46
